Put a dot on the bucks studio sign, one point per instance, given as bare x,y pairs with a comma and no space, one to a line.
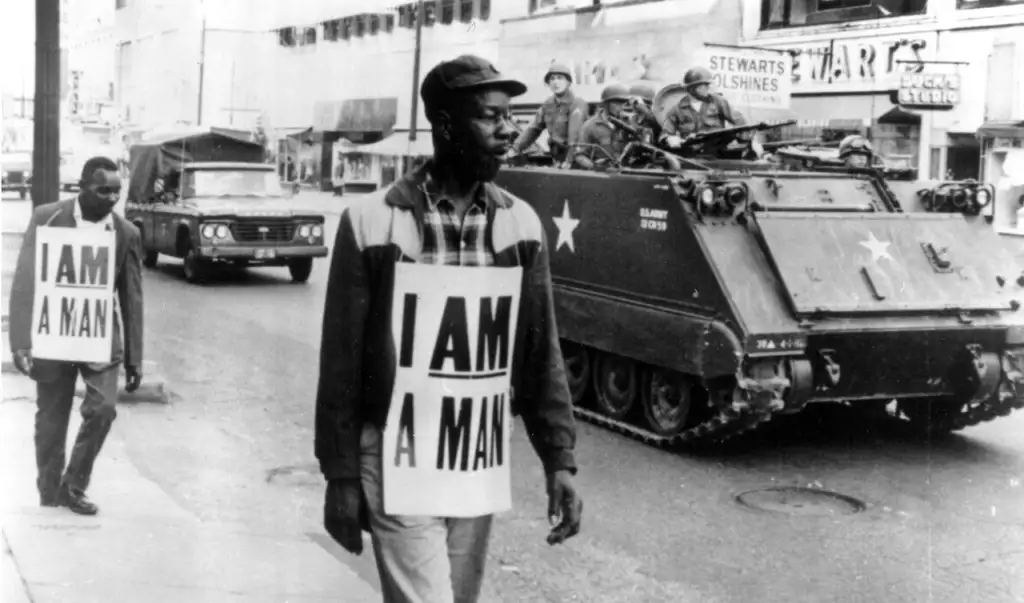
937,91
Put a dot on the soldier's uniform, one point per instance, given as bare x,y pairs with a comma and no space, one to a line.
562,116
693,115
644,113
600,131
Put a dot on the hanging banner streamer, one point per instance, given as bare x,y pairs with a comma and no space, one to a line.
748,77
446,443
73,308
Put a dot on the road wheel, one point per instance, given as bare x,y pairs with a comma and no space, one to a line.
197,269
300,269
577,369
615,383
667,399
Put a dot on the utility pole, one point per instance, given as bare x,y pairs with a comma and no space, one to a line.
46,109
202,70
416,72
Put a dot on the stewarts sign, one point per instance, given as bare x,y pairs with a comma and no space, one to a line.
750,77
929,91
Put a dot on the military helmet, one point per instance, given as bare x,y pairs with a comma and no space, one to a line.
615,92
558,69
696,76
855,143
644,91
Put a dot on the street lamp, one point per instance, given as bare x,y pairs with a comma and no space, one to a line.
416,71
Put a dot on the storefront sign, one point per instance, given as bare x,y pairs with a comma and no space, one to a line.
857,65
933,91
750,77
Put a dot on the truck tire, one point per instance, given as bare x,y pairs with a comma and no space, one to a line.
300,269
196,268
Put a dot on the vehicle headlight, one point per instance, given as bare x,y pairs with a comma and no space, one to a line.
222,231
318,231
209,230
304,230
707,196
982,197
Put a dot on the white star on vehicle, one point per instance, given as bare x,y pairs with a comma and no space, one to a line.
877,248
566,224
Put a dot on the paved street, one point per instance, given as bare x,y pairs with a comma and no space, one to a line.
943,523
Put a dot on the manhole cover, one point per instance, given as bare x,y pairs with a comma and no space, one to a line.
800,501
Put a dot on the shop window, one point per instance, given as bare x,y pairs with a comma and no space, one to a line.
485,10
966,4
346,29
359,24
308,36
536,5
465,11
407,15
374,25
332,30
447,12
429,13
286,36
798,13
389,23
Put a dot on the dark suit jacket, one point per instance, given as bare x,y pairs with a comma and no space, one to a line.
127,285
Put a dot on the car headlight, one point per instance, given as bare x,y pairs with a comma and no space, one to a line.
209,230
304,230
222,231
318,231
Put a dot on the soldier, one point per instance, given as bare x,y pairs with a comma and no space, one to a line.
643,101
856,151
562,114
600,130
698,111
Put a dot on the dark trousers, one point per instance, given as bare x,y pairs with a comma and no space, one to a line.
53,412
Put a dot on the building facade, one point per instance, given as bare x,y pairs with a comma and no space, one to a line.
853,59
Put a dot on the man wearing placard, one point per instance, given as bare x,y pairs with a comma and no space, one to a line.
439,327
79,264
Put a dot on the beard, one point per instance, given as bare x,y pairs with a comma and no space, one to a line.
467,161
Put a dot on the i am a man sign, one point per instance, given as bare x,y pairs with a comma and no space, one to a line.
73,308
446,442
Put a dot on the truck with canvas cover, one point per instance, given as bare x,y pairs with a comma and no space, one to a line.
209,198
698,295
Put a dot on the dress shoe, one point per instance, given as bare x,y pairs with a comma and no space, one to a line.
77,502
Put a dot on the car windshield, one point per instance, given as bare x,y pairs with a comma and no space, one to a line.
231,183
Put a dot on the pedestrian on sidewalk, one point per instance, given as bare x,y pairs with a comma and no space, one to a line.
444,236
55,380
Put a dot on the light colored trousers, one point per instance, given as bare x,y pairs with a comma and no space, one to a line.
421,559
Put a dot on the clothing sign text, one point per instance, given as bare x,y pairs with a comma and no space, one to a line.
750,77
446,441
73,307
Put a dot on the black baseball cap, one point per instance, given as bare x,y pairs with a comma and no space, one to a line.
464,74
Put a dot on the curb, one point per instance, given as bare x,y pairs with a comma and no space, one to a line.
153,389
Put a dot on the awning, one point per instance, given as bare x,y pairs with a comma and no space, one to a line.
355,117
1005,129
399,145
900,117
825,110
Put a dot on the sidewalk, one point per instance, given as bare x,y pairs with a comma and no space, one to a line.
142,546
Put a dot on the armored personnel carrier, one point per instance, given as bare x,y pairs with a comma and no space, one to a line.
699,296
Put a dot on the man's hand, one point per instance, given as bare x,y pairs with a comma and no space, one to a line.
564,507
132,378
343,510
565,165
23,361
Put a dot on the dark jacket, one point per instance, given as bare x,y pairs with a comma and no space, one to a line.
603,133
562,117
716,112
127,285
357,355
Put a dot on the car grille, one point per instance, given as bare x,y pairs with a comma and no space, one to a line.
263,231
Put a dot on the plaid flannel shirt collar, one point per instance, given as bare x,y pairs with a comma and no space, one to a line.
434,196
